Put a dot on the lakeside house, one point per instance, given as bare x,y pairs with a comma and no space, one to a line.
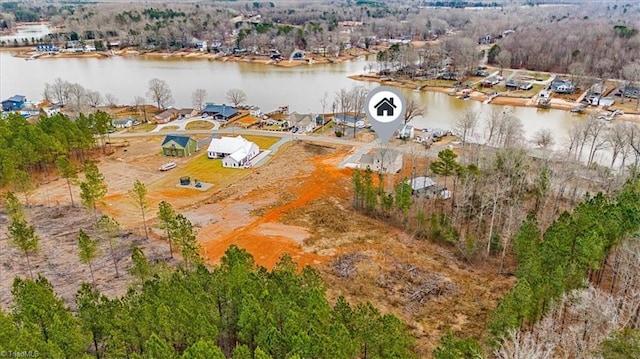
348,120
382,160
407,132
426,187
14,103
174,145
562,86
303,123
123,122
235,152
490,81
166,116
219,112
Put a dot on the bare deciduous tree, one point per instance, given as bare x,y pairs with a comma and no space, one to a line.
236,96
77,97
465,125
94,99
543,138
358,96
58,91
160,93
414,109
111,100
198,98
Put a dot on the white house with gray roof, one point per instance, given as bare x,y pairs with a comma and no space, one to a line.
235,152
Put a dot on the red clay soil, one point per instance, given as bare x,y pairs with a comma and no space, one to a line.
267,248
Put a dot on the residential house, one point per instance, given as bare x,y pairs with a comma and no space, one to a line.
383,160
174,145
48,48
304,123
166,116
14,103
631,92
562,86
348,120
426,187
236,152
219,112
407,132
490,81
52,110
518,85
186,113
123,122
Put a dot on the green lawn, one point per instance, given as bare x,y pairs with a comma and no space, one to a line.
264,142
211,171
520,93
326,128
440,83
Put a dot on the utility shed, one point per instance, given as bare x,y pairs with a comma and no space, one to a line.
174,145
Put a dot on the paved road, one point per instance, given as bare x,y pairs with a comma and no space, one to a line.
362,147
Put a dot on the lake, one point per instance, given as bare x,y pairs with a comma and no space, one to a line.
268,87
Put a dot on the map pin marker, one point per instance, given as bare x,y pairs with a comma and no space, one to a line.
385,108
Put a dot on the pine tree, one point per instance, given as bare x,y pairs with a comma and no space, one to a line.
94,188
167,217
13,207
25,238
109,228
139,196
69,172
186,239
88,251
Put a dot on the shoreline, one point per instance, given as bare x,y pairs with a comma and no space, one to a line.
28,53
502,100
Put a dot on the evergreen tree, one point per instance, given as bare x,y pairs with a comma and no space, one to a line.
94,188
69,172
13,207
446,164
139,196
109,229
167,217
24,237
88,251
186,238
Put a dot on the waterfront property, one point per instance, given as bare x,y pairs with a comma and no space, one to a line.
348,120
123,122
14,103
174,145
219,112
303,123
236,152
166,116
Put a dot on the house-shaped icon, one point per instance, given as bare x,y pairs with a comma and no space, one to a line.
385,105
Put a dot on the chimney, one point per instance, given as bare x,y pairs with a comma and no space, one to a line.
390,99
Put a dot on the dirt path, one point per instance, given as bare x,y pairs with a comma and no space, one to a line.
264,236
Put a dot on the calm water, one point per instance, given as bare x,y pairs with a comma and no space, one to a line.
266,86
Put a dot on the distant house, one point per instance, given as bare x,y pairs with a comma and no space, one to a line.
518,85
382,160
305,123
46,48
166,116
348,120
385,107
50,111
186,113
427,187
123,122
219,112
631,92
236,152
174,145
562,86
490,81
14,103
407,131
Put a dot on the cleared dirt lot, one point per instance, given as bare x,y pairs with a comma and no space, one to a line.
299,203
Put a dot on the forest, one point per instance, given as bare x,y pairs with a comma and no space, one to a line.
604,50
233,310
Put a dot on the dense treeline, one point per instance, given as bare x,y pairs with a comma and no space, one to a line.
235,310
572,251
29,147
